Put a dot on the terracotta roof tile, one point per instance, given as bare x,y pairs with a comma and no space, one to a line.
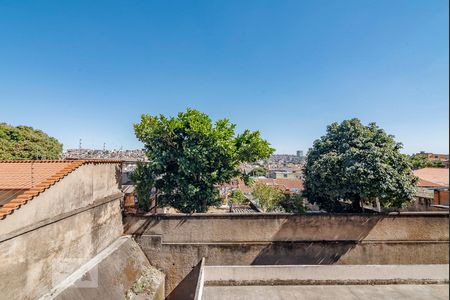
433,176
22,180
286,184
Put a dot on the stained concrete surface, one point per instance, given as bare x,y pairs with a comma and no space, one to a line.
61,229
326,274
176,243
333,292
121,271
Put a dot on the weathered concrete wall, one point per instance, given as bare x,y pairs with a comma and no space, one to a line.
79,189
206,228
121,271
54,234
177,243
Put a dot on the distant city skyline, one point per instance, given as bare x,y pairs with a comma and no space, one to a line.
83,69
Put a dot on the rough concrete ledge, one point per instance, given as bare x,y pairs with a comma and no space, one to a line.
329,292
326,275
180,216
200,281
121,271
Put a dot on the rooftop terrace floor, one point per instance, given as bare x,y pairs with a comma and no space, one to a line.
334,282
410,292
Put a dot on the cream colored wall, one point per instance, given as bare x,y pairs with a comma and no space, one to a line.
79,189
47,239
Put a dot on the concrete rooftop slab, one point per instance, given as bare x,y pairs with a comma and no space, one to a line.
326,282
323,292
326,274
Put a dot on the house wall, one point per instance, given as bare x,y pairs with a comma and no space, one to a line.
79,189
441,197
59,230
176,244
282,175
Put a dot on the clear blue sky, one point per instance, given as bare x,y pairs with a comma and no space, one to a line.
88,69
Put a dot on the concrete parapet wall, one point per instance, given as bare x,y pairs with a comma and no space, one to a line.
176,243
50,237
81,188
208,228
33,263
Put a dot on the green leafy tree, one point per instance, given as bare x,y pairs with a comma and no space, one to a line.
144,182
258,171
357,164
293,203
190,156
268,197
419,161
24,142
237,196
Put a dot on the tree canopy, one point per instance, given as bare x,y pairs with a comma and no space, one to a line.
268,197
144,181
272,198
293,203
357,164
237,196
258,171
420,160
24,142
190,156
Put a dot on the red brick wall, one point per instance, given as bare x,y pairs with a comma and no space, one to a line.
441,197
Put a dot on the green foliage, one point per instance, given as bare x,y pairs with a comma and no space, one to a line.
189,156
144,183
258,171
419,161
293,203
269,197
357,164
24,142
237,196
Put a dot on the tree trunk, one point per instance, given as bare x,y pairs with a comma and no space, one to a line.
356,203
156,201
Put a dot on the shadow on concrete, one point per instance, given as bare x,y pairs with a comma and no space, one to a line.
340,239
132,227
303,253
185,290
182,221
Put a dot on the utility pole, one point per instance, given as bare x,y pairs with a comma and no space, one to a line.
79,149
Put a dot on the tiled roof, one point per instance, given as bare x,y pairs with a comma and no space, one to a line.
243,210
25,175
286,184
434,176
22,180
425,183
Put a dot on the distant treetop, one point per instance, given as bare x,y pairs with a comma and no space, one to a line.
420,160
24,142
